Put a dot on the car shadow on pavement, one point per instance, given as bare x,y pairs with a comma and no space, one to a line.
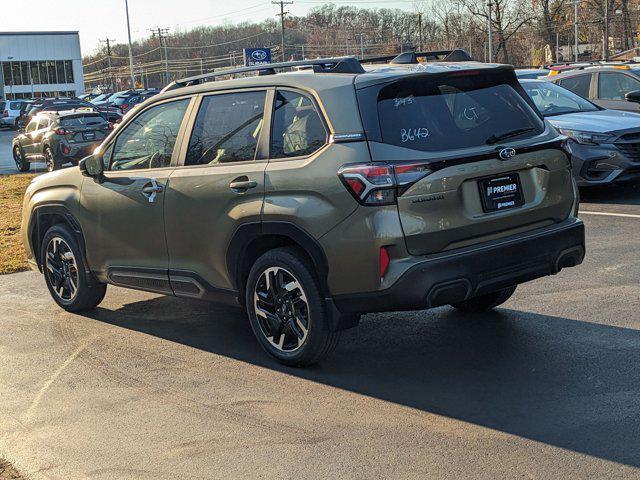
612,194
567,383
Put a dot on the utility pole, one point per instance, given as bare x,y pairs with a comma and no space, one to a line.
419,31
109,72
162,37
490,33
281,15
361,45
557,47
133,79
605,45
575,28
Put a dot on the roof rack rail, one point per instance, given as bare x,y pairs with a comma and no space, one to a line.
319,65
411,57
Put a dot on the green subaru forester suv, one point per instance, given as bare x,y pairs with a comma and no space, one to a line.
314,196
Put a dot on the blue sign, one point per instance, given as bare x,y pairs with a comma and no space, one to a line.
257,56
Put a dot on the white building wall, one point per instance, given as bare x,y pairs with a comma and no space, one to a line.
32,46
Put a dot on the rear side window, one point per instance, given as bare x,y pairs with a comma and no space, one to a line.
297,129
82,120
578,84
613,86
15,105
451,112
227,128
43,123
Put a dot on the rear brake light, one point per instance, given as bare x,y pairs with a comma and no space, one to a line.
5,113
380,183
110,126
384,261
62,131
370,184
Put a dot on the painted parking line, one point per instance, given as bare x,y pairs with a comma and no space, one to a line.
607,214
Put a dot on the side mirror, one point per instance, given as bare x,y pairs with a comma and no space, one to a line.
91,166
633,96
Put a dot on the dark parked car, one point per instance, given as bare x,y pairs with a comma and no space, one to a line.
58,138
127,103
610,86
110,114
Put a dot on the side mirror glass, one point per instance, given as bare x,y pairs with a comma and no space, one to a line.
91,166
633,96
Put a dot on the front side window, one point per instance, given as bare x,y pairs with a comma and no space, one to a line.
148,140
297,129
227,129
578,84
613,86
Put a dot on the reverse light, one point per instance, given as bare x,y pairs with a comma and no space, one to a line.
587,138
380,183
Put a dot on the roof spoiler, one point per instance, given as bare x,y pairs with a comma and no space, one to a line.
405,58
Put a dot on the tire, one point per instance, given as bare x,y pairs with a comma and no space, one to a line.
50,160
22,164
64,269
485,302
290,319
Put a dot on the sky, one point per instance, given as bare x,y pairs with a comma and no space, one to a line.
107,17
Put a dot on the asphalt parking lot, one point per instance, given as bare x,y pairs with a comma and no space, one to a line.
7,165
149,387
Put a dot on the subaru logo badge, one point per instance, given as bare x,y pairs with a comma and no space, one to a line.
259,55
507,153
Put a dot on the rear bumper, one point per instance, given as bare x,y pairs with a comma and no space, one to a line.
458,275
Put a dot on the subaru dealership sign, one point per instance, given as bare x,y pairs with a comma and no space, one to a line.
257,56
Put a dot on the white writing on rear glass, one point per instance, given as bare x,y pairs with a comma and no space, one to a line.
413,134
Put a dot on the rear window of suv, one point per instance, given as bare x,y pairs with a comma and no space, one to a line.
445,112
82,120
452,112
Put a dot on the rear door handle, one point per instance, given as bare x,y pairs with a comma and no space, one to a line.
242,184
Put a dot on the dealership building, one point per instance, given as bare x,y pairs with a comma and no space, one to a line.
40,64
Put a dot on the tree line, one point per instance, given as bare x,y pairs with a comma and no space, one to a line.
525,33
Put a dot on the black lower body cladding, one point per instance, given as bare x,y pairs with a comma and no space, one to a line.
464,273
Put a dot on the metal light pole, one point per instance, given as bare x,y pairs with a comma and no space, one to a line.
605,45
133,78
575,26
490,34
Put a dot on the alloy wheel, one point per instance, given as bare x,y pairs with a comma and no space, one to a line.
48,158
62,269
281,308
17,157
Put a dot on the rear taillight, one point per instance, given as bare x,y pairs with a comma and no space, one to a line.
124,107
62,131
5,113
380,183
370,184
110,126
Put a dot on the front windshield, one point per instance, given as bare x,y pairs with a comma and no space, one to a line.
552,99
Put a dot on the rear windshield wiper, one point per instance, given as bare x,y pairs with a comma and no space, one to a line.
513,133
